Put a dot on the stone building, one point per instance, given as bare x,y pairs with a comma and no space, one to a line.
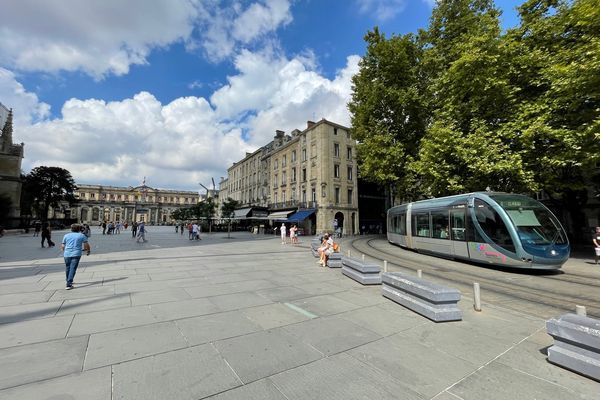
307,178
98,203
11,156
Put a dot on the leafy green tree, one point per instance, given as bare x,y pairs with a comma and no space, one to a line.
45,187
388,110
228,211
207,210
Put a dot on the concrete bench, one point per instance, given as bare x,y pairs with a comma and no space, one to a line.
314,246
436,302
335,260
576,344
360,271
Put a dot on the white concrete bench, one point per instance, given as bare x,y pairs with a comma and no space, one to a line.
360,271
436,302
314,246
576,344
334,260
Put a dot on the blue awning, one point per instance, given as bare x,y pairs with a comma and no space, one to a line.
300,216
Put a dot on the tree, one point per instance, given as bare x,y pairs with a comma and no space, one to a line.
5,204
388,111
206,210
45,187
228,211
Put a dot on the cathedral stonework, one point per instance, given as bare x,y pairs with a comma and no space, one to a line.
11,156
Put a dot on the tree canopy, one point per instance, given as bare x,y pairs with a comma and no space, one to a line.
46,187
464,106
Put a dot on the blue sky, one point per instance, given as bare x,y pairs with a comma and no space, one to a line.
115,91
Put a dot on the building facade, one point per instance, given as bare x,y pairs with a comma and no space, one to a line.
310,174
98,203
11,156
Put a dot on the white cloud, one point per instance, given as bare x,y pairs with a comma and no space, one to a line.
188,140
382,10
98,37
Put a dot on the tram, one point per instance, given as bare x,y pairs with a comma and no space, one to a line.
494,228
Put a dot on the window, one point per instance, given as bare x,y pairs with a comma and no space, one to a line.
323,191
337,195
349,173
336,171
303,174
275,197
350,196
283,178
421,225
335,131
293,174
336,149
349,153
284,161
275,181
439,222
294,156
303,154
457,225
314,195
304,196
276,163
283,196
492,225
92,195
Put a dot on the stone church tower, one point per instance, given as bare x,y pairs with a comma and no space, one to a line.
11,156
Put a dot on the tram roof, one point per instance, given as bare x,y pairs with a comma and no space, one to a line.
446,201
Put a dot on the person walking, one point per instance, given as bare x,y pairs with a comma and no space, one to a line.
195,231
141,232
47,235
134,228
283,231
37,228
596,241
182,226
73,244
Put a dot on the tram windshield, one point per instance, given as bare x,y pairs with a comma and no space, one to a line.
535,224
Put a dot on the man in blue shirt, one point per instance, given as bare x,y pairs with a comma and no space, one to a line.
72,245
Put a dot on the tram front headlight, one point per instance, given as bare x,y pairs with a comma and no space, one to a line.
553,252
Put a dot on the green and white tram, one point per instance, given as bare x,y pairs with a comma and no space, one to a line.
486,227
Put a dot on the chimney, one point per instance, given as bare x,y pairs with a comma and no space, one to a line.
310,124
279,134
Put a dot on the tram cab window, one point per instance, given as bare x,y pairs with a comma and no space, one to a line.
421,225
492,225
401,224
439,222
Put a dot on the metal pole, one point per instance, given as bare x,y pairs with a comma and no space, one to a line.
476,297
384,265
363,257
419,273
580,310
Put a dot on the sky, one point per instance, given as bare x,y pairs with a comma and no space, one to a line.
177,90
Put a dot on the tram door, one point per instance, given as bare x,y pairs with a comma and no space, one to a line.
459,233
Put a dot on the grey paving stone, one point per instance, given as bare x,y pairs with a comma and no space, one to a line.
127,344
159,296
133,287
208,328
165,276
70,307
497,381
340,377
34,331
317,288
274,315
383,322
238,301
22,287
183,309
262,354
82,292
28,311
324,305
283,294
110,320
24,298
257,390
88,385
185,374
397,358
226,278
60,285
331,335
39,361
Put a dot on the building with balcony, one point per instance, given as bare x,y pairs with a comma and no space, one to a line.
307,177
98,203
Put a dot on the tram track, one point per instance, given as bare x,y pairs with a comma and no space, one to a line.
511,291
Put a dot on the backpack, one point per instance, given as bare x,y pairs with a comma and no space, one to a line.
336,247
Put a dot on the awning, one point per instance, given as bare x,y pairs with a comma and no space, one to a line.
242,213
279,215
300,216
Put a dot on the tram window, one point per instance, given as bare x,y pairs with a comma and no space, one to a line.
401,226
421,225
492,225
458,225
439,221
